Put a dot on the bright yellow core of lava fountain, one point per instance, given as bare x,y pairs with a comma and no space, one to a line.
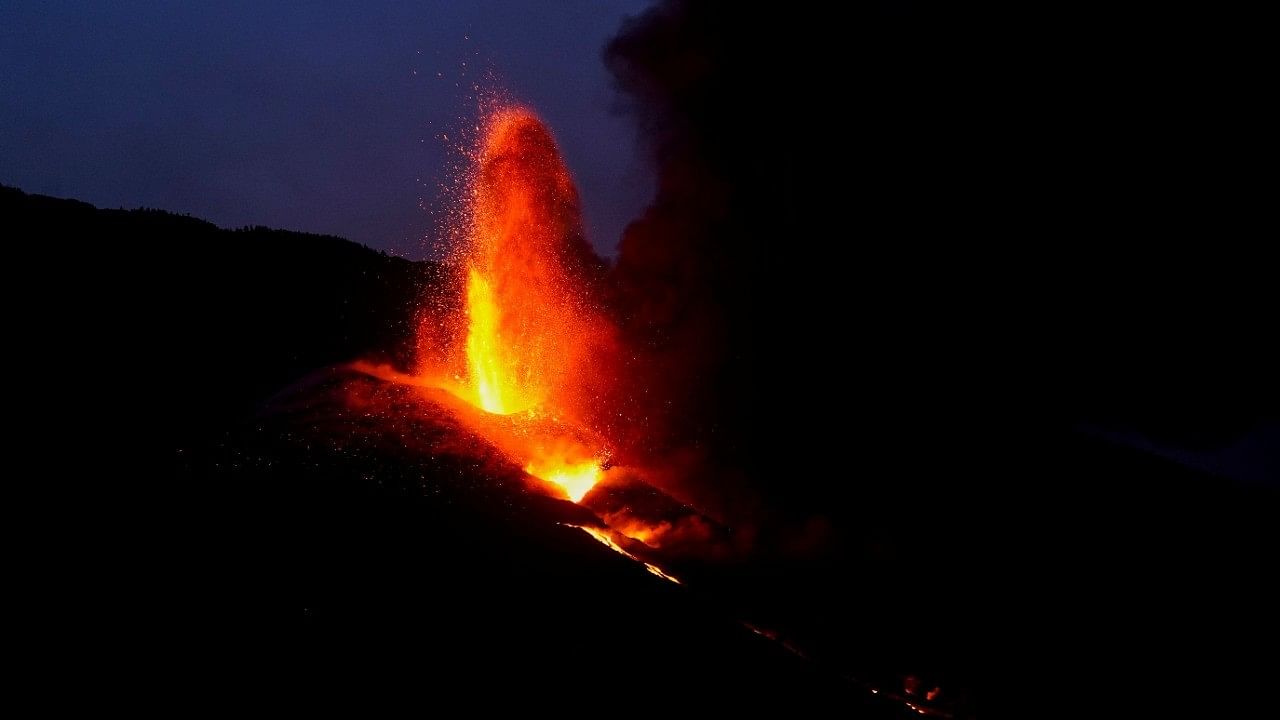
528,321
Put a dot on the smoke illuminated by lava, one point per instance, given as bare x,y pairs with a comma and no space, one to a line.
530,325
604,538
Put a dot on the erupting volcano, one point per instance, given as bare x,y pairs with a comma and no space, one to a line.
524,341
520,402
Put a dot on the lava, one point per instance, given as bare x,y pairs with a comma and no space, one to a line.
577,479
603,537
487,378
531,327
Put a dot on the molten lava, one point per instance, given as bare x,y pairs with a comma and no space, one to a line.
577,479
530,323
489,378
604,538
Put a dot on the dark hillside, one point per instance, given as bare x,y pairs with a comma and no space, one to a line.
210,322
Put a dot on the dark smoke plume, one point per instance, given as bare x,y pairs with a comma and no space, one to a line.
907,221
898,255
800,175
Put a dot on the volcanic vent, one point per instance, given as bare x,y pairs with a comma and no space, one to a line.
524,344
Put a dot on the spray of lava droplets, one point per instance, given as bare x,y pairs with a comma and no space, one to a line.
530,327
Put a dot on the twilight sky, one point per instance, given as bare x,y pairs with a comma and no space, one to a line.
325,116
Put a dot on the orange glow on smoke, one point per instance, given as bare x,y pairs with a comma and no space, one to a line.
529,322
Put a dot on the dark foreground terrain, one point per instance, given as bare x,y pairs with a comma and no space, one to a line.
293,526
345,538
427,564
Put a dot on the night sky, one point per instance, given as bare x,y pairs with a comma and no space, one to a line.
325,119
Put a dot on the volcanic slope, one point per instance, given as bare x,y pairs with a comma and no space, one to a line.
427,562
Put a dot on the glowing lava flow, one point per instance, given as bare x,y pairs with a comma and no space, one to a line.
530,323
603,538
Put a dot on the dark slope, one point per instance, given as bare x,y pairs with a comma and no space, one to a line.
244,520
386,562
426,568
205,323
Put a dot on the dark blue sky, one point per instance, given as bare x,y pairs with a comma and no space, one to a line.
324,116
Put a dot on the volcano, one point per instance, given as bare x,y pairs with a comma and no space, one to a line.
428,562
504,422
975,316
465,523
430,544
526,339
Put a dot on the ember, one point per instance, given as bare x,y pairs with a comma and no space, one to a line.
530,324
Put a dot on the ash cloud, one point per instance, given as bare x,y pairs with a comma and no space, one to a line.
799,168
894,260
869,268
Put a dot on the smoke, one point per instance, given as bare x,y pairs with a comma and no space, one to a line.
866,268
792,160
687,530
882,272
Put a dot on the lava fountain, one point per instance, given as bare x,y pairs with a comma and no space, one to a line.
531,327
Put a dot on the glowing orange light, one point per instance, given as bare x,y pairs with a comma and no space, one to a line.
604,539
576,479
528,321
491,383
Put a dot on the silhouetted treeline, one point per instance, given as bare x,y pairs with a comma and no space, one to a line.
186,326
